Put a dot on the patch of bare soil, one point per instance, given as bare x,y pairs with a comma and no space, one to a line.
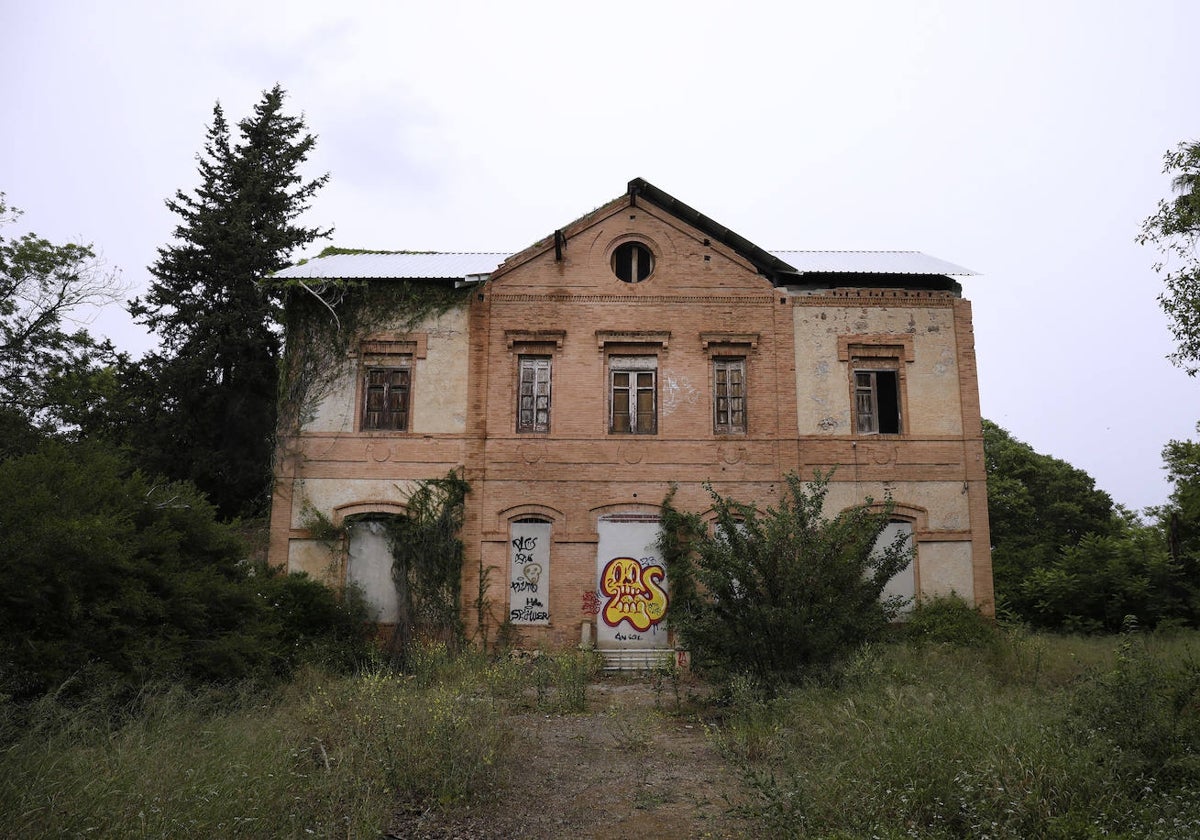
635,765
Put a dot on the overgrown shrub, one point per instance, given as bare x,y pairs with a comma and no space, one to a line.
949,620
1145,711
940,743
427,554
109,578
777,592
1093,585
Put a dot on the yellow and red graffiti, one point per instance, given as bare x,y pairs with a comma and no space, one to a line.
634,594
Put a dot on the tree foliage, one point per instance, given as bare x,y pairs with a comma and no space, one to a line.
210,410
427,553
1065,558
1037,506
42,287
1174,229
108,577
775,593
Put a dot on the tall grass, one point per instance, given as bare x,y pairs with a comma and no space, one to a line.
327,757
1028,737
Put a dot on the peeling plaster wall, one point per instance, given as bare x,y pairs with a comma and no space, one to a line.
947,505
823,382
439,395
945,568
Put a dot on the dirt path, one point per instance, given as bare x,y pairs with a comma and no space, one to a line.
630,767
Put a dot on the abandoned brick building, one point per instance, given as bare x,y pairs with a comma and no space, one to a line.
641,345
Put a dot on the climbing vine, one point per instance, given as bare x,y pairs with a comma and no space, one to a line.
325,318
427,560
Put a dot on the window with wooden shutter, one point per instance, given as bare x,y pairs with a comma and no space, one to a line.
386,398
877,402
634,395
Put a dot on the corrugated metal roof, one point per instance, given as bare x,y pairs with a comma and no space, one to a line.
427,266
869,262
458,266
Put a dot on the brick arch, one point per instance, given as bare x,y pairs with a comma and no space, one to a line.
530,511
365,508
916,515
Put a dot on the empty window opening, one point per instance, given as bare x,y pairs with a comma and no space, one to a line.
877,402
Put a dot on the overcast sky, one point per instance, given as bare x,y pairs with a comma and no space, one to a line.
1022,140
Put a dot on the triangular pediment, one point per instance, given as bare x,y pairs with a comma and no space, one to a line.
644,238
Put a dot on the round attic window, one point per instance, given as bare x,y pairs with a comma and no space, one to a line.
632,262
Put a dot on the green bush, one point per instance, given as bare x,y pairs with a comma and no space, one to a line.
1145,712
938,742
111,578
949,620
778,592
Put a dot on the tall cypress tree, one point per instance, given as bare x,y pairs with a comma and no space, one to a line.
211,416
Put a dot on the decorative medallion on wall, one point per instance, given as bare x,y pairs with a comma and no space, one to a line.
732,453
379,452
632,453
882,454
532,452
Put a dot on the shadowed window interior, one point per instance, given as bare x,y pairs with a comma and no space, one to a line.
632,262
877,402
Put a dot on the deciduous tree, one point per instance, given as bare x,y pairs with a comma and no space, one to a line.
1037,505
1175,230
42,287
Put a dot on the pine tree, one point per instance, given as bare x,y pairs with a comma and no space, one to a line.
211,416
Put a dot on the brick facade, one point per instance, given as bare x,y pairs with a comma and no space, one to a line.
732,376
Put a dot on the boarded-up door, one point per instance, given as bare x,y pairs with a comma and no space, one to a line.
369,566
631,583
903,584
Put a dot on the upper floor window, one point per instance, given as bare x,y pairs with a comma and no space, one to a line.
634,395
387,395
729,395
877,365
877,402
533,394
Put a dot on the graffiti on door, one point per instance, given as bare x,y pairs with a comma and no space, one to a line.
634,593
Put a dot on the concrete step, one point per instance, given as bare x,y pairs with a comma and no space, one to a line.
632,659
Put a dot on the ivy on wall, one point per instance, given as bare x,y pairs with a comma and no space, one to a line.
427,560
326,319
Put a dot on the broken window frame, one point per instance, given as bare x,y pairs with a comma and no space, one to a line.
729,395
534,384
877,410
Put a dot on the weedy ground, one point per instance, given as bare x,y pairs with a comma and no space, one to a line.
1016,735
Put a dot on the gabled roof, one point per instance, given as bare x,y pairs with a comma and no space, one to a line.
780,267
767,264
